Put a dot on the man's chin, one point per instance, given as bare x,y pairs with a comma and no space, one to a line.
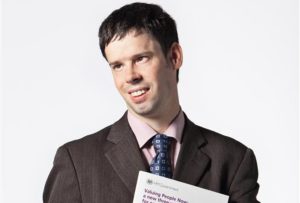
144,111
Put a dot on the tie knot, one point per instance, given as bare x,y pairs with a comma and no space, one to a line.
161,143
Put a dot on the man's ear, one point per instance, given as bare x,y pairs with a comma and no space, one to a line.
175,55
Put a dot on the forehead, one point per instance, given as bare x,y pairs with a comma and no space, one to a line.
133,43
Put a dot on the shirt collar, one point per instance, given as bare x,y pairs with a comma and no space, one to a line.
143,132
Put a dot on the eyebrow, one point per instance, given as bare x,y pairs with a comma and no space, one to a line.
133,57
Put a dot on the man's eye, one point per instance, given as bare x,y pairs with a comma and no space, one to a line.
142,59
116,67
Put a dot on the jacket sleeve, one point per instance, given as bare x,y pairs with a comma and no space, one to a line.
62,184
244,186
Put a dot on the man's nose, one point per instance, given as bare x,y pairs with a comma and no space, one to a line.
132,75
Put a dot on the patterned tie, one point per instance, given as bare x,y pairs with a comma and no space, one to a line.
161,163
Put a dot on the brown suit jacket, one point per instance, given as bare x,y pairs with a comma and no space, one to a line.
103,167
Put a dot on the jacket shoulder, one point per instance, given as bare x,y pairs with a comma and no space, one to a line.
220,147
89,143
220,141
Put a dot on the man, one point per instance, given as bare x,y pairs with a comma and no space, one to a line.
140,43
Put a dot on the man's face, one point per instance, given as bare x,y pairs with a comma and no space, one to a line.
143,75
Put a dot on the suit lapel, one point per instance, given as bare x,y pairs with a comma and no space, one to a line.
192,162
125,156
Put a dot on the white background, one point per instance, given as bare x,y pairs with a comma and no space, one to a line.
239,77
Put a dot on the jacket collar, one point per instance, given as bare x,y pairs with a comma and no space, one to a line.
126,158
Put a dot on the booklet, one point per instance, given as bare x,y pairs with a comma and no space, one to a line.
153,188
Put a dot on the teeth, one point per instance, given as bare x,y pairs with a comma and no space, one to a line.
138,93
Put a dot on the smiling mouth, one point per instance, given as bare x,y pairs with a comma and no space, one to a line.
139,92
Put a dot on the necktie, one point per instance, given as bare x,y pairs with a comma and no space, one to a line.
161,163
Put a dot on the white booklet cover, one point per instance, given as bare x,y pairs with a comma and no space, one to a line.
153,188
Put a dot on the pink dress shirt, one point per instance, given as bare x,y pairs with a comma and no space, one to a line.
143,133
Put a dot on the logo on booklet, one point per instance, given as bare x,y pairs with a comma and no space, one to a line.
149,181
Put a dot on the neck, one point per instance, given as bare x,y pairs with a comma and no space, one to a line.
161,121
